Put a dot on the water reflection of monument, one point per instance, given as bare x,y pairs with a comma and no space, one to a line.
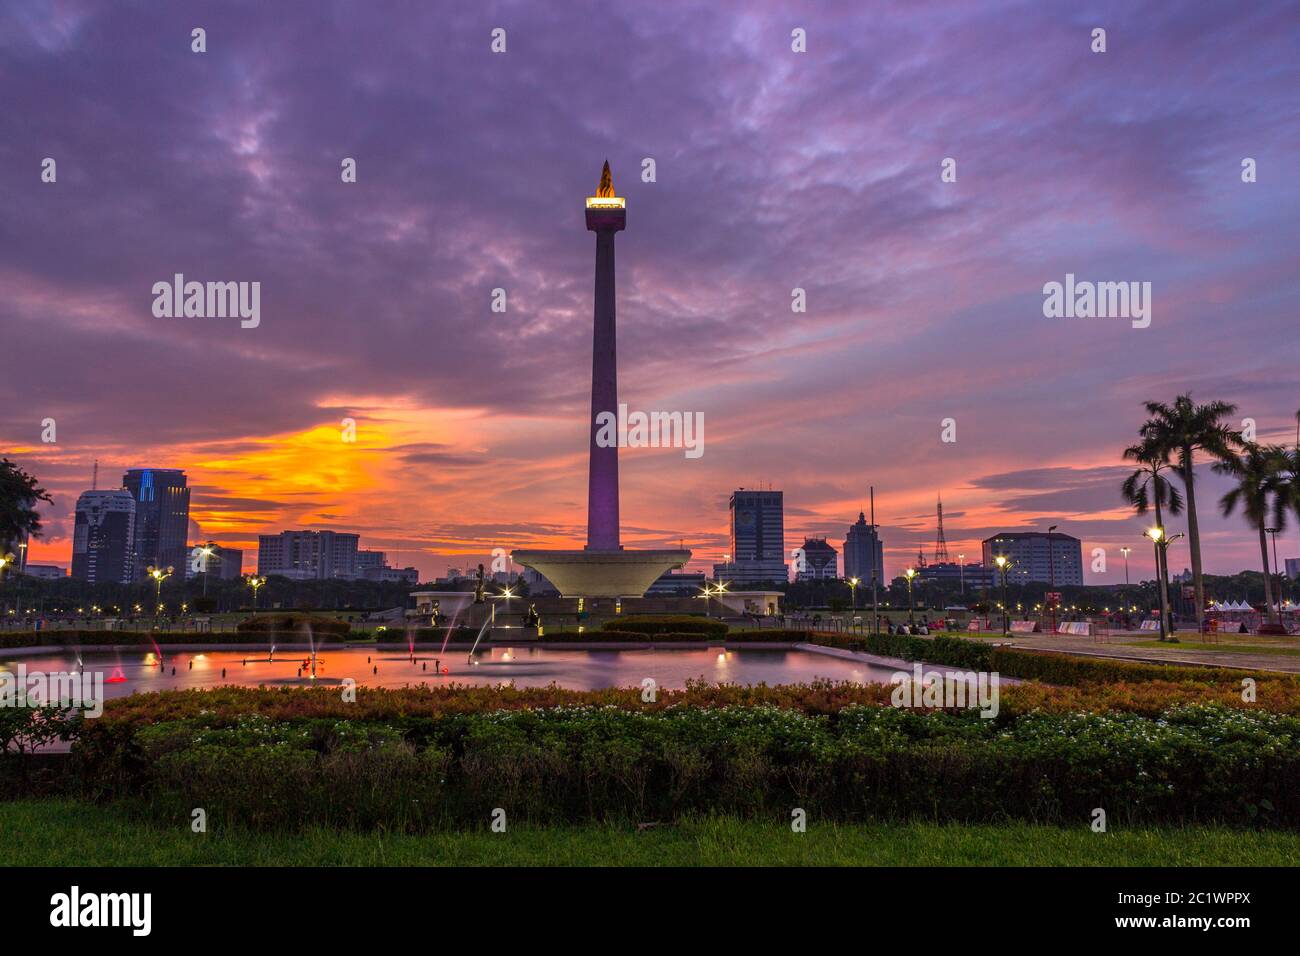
604,568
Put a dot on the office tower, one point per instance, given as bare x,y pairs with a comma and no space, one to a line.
367,560
864,552
162,518
757,539
103,538
308,555
1038,556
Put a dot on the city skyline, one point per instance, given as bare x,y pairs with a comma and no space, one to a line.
376,303
980,557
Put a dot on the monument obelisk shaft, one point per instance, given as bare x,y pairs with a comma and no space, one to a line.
605,219
603,569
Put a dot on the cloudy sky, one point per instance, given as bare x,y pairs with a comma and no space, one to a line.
774,170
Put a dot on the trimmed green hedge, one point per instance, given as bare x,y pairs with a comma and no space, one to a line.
294,622
1067,669
1195,764
89,638
952,651
1051,668
641,637
666,624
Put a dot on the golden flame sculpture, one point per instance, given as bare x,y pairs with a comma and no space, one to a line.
605,197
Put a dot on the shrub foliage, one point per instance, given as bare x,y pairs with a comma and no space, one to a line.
666,624
1196,763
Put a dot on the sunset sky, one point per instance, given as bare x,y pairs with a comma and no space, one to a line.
775,170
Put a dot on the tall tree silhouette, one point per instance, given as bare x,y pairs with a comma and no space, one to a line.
1180,430
1262,493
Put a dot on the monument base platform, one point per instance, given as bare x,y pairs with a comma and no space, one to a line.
610,574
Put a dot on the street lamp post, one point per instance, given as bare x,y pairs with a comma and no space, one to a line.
709,591
961,573
853,589
508,594
1124,597
1051,576
5,561
875,565
911,605
159,575
255,582
208,552
1003,566
1162,542
22,568
1155,534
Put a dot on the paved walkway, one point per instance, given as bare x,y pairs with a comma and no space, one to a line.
1171,654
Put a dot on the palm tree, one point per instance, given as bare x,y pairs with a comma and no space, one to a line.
1149,484
1262,491
1182,429
1288,481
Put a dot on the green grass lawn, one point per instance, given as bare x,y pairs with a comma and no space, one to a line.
71,833
1226,646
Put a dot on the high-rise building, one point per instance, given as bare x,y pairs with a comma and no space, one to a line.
757,539
1037,556
308,555
103,538
162,518
970,576
371,559
1292,567
817,562
864,552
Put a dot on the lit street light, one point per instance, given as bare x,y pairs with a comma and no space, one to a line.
1051,575
255,582
1162,542
1004,565
159,575
911,606
208,552
1125,551
5,561
709,591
